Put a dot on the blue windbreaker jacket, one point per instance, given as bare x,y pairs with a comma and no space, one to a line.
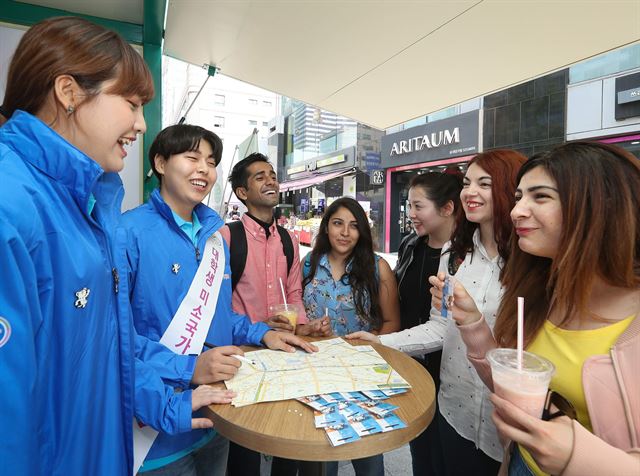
67,360
155,244
66,367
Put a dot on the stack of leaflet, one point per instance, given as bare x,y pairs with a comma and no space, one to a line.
348,416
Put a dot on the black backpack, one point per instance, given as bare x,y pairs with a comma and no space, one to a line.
238,249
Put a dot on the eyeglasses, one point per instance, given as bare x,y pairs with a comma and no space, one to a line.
564,407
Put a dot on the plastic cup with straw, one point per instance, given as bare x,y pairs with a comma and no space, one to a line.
290,311
518,376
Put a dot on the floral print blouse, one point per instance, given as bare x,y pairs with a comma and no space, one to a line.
325,294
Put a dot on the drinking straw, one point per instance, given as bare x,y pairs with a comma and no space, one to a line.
520,330
284,296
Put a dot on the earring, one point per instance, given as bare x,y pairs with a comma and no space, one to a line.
70,109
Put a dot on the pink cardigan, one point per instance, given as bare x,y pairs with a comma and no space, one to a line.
612,391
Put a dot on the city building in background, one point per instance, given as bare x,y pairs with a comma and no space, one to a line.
236,111
603,99
321,157
433,145
597,99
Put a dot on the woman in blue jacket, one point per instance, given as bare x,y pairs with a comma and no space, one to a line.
177,256
67,345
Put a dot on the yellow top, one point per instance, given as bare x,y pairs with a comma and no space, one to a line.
568,350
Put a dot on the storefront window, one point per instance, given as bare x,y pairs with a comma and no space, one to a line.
414,122
329,143
394,129
337,140
372,199
305,207
299,155
606,64
347,138
444,113
629,143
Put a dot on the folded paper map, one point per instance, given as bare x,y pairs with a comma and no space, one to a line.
336,367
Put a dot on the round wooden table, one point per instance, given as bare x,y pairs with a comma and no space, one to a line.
286,428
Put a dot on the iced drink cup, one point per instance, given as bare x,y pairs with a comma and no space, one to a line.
527,387
290,311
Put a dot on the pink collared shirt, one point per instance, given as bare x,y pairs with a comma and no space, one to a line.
258,290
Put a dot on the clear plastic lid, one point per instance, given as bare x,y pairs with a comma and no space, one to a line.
507,360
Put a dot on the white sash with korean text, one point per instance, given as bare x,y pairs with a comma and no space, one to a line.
189,327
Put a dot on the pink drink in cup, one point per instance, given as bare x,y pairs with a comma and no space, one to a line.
525,387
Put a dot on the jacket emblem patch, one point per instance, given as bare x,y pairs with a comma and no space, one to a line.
5,331
83,296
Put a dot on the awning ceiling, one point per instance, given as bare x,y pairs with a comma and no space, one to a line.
385,62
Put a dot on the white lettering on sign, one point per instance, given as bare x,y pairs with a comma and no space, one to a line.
429,141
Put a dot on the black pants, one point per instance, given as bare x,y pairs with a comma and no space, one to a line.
290,467
242,461
426,451
460,456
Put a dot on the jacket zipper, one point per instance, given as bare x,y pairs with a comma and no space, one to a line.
116,280
107,244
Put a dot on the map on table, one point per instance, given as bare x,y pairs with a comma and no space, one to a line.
336,367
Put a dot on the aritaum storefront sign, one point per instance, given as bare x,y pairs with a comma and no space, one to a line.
451,137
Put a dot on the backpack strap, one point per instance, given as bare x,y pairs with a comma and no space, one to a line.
237,251
306,265
287,246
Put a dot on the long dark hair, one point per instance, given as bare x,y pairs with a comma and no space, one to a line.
598,188
502,165
362,277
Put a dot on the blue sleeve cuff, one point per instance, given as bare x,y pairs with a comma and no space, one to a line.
184,411
259,329
189,368
176,370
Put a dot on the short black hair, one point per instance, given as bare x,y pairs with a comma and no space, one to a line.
239,176
182,138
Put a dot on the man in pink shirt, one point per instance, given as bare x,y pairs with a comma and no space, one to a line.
257,291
